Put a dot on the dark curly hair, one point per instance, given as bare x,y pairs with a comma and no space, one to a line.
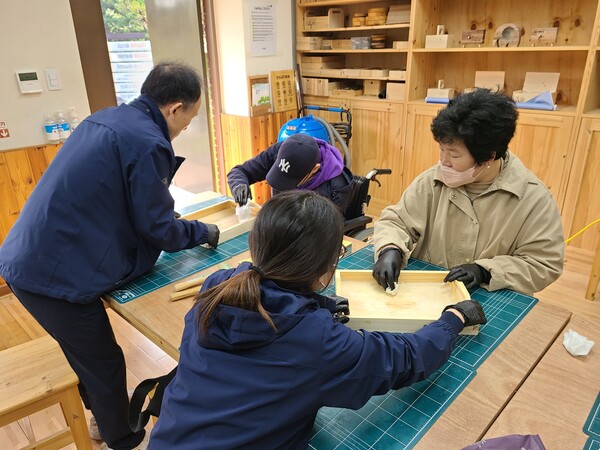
483,120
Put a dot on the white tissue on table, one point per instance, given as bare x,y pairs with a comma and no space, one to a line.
576,344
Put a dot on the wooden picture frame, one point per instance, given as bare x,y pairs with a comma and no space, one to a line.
259,94
421,297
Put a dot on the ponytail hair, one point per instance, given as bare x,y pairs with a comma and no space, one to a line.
241,291
296,238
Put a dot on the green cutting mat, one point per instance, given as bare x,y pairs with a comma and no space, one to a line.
592,427
171,267
400,418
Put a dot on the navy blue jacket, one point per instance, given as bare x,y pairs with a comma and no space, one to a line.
102,212
244,386
338,189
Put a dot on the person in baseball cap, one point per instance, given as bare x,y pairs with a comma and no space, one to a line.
298,159
299,162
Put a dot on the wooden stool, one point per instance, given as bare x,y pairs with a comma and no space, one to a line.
34,376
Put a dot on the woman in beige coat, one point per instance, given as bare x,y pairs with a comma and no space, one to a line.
479,212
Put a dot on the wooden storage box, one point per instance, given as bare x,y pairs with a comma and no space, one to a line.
341,44
223,215
308,43
395,91
536,83
439,41
347,92
333,19
351,72
379,72
397,75
399,44
364,72
421,297
373,87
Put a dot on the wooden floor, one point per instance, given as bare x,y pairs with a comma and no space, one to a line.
146,360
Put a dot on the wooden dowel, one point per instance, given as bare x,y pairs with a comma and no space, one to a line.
189,283
185,294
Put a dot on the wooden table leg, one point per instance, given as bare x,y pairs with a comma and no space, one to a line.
592,287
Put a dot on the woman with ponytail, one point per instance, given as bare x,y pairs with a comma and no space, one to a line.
262,350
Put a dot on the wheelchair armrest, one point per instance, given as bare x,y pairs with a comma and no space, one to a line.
360,221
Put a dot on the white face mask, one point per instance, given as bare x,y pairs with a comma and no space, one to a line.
454,178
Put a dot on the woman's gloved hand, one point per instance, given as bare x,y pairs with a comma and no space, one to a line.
387,267
472,275
471,311
339,308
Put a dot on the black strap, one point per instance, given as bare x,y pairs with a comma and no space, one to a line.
138,418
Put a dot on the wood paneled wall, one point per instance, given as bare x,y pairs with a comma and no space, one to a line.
20,170
246,137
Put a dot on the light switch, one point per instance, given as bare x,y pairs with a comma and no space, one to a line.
53,79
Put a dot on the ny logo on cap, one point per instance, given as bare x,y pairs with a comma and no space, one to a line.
284,165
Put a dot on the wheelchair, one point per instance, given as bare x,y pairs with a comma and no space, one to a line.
356,220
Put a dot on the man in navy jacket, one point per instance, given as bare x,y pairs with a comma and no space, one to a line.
99,217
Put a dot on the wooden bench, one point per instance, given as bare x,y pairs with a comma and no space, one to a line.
36,375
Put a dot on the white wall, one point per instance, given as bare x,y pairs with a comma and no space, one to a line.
36,35
234,41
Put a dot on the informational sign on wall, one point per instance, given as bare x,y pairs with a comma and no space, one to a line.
4,133
262,27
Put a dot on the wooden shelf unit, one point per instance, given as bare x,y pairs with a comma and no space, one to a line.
561,147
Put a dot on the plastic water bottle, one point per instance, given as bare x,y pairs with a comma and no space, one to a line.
73,119
51,130
64,130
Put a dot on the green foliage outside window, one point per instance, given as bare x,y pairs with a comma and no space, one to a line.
125,16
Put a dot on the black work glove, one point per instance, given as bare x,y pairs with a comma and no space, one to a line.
241,194
213,235
471,311
472,275
387,267
339,307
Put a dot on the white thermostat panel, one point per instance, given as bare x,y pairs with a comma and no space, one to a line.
29,82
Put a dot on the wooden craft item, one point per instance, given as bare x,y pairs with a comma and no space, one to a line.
421,297
283,90
543,36
223,215
507,35
472,37
440,39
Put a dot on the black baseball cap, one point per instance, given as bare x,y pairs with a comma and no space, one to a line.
297,156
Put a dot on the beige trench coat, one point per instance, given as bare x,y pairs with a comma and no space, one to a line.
513,229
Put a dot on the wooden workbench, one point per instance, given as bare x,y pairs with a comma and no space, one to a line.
469,415
558,396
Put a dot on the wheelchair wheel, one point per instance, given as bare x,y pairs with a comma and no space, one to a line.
365,235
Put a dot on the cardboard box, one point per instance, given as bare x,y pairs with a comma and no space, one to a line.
395,91
373,87
439,41
536,83
397,75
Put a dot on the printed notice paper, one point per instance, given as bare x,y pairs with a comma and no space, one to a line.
262,27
